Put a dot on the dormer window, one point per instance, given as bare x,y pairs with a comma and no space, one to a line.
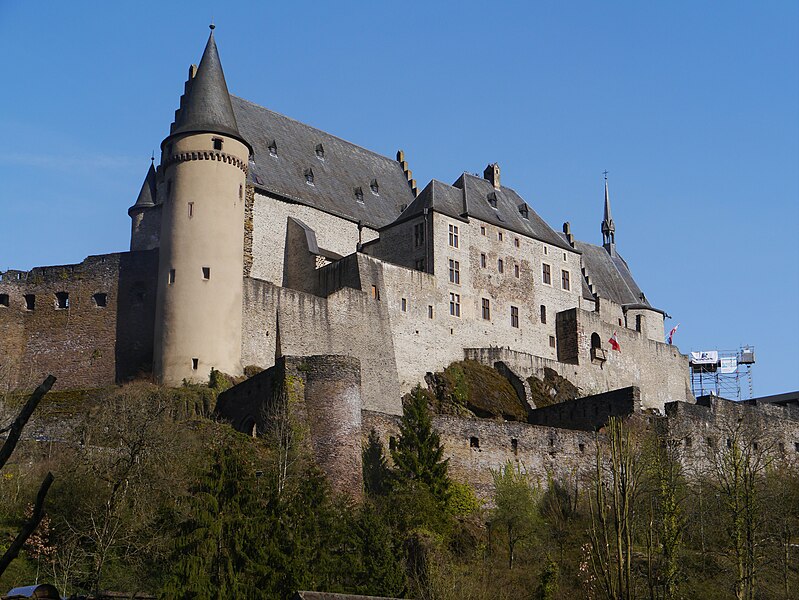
309,176
320,152
217,143
524,211
373,187
492,199
273,148
359,194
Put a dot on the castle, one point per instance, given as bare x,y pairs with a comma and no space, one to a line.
256,236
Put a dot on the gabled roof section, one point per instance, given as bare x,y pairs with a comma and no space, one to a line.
207,106
146,197
341,169
610,276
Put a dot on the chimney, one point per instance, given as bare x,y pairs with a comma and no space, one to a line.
568,231
491,173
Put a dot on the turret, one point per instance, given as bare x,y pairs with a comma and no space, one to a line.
144,215
608,226
201,260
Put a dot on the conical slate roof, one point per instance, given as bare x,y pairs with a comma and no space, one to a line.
146,197
207,106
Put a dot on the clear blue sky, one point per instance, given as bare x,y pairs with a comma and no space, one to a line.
692,107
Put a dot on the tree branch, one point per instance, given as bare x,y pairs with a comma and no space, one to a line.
29,527
15,430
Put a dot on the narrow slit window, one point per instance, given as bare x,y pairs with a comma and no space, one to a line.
482,229
217,143
514,445
195,364
206,272
430,311
100,299
483,260
171,278
543,315
499,236
404,305
375,292
191,209
516,271
62,300
500,265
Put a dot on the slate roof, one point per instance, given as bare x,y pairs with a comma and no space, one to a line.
469,196
343,168
610,276
206,105
146,198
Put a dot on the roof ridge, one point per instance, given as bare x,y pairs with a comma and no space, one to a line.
388,158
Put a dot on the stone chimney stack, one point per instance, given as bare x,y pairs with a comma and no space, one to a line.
491,173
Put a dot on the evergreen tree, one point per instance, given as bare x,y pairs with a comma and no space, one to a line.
418,453
381,570
211,558
375,467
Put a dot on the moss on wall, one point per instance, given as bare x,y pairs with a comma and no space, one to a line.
552,389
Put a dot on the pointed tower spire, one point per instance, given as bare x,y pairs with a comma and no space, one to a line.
207,106
608,226
146,197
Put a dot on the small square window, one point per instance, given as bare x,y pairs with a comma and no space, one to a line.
4,300
171,278
404,304
551,341
195,364
206,272
100,300
217,143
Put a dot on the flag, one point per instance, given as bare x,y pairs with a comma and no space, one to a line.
672,332
614,343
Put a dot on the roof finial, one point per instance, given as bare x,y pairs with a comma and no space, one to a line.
212,26
608,226
605,173
152,156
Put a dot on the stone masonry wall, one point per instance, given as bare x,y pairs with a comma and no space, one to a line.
590,413
109,298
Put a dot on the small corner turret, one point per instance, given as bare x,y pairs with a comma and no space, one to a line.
145,221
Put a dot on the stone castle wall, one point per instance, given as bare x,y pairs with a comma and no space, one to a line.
100,331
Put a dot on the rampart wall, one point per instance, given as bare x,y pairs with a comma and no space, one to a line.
89,324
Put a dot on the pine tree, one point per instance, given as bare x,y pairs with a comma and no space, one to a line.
211,552
375,467
418,453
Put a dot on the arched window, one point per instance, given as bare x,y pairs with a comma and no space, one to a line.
596,342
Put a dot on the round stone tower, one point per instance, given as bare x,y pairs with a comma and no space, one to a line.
204,160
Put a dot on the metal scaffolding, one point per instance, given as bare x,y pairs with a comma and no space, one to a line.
723,373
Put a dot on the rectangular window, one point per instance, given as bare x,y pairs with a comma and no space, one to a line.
4,300
545,249
516,271
482,260
195,364
453,236
514,316
404,304
500,266
638,322
482,229
217,143
499,235
455,304
100,300
420,264
191,209
206,272
543,315
516,242
564,277
551,341
486,309
454,271
418,234
30,301
375,292
564,257
546,274
430,311
171,278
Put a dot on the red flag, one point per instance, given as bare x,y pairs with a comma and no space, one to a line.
614,343
672,332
